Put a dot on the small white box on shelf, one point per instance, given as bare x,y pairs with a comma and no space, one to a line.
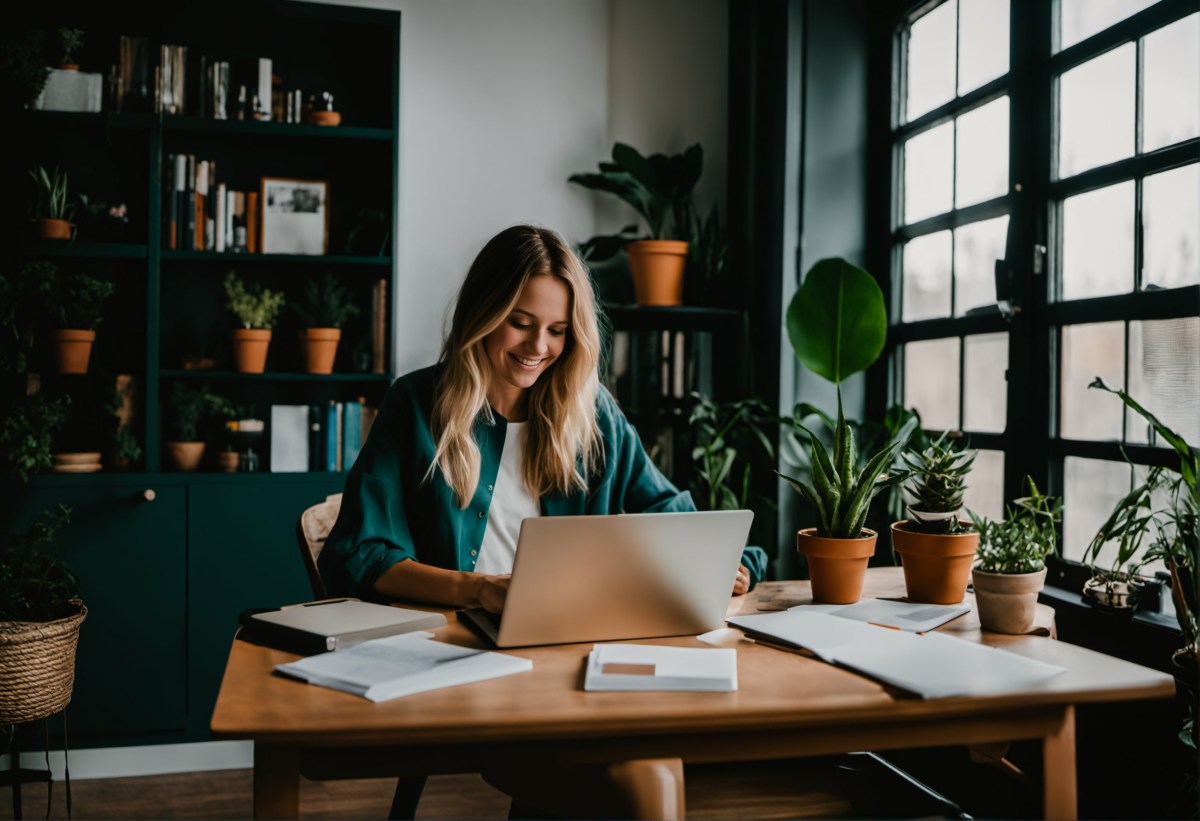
71,91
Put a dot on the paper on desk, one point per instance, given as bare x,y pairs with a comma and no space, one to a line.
395,666
915,616
661,667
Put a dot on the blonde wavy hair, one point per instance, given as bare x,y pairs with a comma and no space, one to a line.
563,445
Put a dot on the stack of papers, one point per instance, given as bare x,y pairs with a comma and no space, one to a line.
658,667
395,666
912,616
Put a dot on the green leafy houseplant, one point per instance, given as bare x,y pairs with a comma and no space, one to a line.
23,69
189,410
729,439
255,307
51,200
936,496
28,425
69,41
325,303
35,583
1021,541
75,300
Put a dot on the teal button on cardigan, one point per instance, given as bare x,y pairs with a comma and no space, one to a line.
392,510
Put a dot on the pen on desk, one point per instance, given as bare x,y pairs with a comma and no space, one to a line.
888,626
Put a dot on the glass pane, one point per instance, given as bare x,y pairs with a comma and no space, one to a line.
1164,376
931,61
976,248
981,158
1096,112
1091,488
1089,351
927,277
1098,242
931,382
1171,84
982,42
1083,18
985,484
929,173
1171,228
985,394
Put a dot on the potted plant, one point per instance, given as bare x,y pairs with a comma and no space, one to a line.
837,324
28,424
325,305
75,304
70,41
52,212
257,309
935,545
40,616
23,69
659,188
188,411
1012,560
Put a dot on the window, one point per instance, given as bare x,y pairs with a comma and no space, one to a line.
1051,151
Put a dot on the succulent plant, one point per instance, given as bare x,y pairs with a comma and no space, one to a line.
940,472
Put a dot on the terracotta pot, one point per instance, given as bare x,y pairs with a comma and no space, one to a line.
657,266
320,348
325,118
837,566
228,460
250,349
1007,602
936,565
185,456
72,350
52,229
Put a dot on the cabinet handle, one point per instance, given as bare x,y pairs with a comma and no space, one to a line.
148,494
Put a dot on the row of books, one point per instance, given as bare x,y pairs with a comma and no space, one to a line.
203,214
307,438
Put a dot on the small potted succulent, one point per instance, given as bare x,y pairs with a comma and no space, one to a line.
1012,561
52,210
325,305
188,412
256,309
935,545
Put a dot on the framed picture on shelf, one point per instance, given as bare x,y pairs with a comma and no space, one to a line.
295,216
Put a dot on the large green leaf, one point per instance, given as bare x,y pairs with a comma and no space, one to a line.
837,321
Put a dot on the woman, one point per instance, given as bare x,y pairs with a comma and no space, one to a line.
512,422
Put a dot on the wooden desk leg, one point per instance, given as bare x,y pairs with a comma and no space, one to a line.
652,788
1058,754
276,781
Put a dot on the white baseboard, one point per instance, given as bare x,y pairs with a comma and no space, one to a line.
159,759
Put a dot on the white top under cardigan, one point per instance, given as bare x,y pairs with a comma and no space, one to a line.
511,504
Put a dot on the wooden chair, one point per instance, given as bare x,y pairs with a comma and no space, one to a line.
311,532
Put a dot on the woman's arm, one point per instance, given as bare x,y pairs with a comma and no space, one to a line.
412,581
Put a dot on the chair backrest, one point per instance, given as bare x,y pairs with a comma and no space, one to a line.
311,532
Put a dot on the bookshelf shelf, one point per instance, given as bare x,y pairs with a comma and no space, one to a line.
291,259
199,125
274,376
95,250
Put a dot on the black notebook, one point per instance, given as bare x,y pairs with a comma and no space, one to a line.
321,626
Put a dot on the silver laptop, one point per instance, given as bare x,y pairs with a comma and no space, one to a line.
627,576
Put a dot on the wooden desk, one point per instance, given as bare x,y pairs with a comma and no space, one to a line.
787,705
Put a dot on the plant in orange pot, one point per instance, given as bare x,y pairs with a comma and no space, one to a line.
75,304
325,305
837,324
936,546
52,210
256,308
188,412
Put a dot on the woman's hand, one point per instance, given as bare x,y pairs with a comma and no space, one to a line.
492,592
741,582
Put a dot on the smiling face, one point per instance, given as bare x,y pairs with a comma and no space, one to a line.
526,343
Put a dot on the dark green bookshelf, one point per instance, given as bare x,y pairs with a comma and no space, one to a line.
290,259
280,376
95,250
341,132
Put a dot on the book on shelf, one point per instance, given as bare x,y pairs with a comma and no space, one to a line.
219,219
379,306
252,218
331,624
203,206
316,438
289,439
189,202
333,437
172,78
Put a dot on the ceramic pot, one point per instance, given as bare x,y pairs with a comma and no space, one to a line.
1007,602
837,567
320,348
185,456
82,462
657,266
325,118
52,229
1108,593
936,565
250,349
72,350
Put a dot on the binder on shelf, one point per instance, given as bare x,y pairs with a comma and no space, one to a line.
289,438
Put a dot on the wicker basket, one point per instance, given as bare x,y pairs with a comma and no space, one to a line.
37,666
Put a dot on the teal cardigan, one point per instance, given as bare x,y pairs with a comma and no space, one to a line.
391,511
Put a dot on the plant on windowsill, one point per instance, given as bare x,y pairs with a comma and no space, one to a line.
75,304
189,413
256,308
325,306
837,324
52,210
1012,560
937,548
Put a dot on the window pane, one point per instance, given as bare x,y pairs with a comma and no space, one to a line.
981,159
1096,112
931,61
931,382
1083,18
1098,242
982,42
1089,351
986,392
985,484
1091,488
927,277
1171,84
1171,228
976,248
929,173
1159,500
1164,376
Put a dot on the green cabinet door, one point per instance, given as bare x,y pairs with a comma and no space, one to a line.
125,542
242,553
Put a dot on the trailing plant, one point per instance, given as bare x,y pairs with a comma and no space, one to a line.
69,41
190,409
28,425
1021,541
253,305
325,303
35,582
940,473
51,199
730,440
